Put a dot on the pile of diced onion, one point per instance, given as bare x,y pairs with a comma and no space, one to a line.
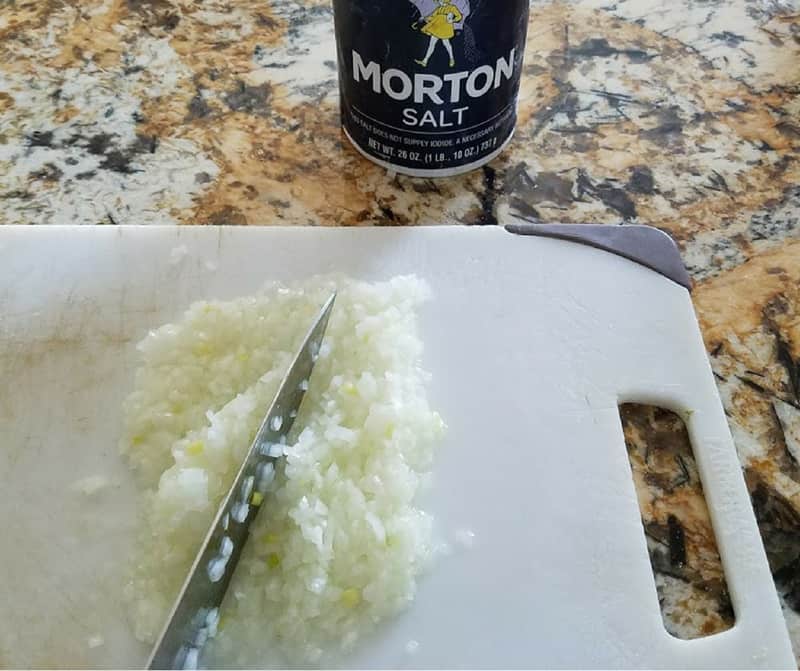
339,541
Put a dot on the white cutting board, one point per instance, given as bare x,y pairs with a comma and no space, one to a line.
532,344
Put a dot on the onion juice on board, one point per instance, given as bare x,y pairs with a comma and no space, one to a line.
429,87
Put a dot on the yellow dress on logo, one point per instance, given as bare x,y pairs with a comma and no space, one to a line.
437,25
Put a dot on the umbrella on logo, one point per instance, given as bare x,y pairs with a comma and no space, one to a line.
427,7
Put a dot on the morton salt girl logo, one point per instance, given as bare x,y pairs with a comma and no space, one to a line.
440,20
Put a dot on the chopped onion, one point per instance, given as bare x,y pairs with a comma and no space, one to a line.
465,538
247,486
191,660
212,621
95,641
216,568
226,547
265,474
201,637
275,450
341,541
240,511
178,254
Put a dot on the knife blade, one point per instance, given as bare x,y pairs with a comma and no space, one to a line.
194,616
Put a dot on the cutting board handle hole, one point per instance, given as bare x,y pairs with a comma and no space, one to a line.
686,563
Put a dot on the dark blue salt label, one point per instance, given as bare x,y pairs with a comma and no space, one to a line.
430,87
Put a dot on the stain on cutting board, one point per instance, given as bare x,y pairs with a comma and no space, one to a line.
65,552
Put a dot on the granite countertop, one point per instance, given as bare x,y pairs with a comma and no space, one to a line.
683,115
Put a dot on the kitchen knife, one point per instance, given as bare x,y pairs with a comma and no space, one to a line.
194,617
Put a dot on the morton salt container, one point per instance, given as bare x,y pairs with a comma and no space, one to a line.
429,87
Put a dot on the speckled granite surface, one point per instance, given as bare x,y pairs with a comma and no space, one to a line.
684,115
